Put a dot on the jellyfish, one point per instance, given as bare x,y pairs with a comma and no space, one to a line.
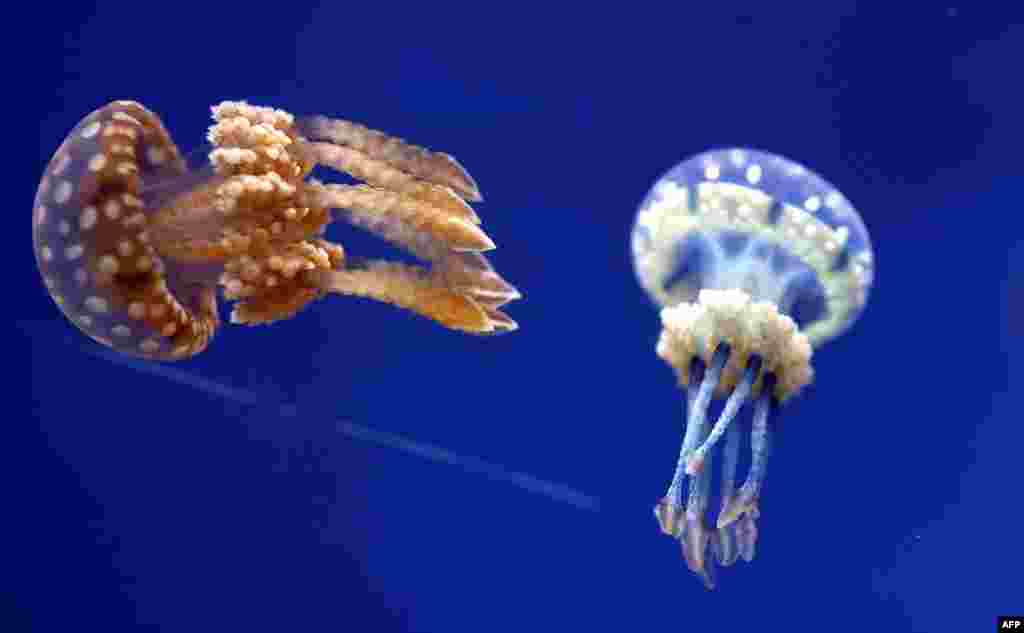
133,243
754,261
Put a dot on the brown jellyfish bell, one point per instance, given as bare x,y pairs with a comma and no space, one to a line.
133,244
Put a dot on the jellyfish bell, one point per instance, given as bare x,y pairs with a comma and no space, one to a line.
134,244
754,261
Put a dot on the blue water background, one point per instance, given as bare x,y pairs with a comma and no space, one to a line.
132,502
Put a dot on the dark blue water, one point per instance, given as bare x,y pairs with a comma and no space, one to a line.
134,501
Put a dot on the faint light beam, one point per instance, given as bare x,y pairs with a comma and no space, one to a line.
554,491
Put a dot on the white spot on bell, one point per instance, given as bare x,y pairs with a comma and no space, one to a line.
108,265
97,163
88,218
62,163
98,305
62,192
127,118
90,130
112,209
73,252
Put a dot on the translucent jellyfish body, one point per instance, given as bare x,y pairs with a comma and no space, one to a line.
754,261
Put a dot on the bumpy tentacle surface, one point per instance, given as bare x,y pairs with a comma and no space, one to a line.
412,199
417,161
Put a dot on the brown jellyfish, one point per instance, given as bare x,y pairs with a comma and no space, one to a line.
132,243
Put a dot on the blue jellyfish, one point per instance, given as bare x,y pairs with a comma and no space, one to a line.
754,261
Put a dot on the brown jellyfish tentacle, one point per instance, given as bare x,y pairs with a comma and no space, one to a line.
501,323
466,271
473,274
269,235
264,161
426,165
407,218
270,285
409,287
233,215
368,207
380,174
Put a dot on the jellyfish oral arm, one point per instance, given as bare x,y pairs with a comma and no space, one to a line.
417,161
412,288
411,202
410,222
725,344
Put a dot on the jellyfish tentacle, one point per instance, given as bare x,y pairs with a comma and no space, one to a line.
435,167
472,274
746,534
724,543
730,461
675,488
272,285
410,287
703,382
452,244
413,224
399,204
698,414
380,174
694,536
699,535
732,406
745,501
773,348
